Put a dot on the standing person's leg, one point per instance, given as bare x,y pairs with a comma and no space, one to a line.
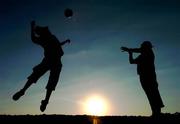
158,103
155,100
145,83
53,80
38,71
149,96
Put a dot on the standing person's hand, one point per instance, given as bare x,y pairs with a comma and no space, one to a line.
125,49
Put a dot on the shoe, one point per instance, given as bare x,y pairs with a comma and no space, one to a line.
43,105
17,95
157,114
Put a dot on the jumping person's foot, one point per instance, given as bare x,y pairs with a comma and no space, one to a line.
17,95
43,105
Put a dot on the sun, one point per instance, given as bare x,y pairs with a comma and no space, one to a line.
96,105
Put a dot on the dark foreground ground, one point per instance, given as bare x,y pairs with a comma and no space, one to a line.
85,119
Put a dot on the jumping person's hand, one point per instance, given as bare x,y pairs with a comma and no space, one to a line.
33,23
68,41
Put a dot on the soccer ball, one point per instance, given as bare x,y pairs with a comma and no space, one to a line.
68,13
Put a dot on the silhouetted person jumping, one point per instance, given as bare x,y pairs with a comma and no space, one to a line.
51,62
147,74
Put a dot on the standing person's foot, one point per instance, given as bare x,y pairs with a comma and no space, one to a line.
43,105
17,95
156,113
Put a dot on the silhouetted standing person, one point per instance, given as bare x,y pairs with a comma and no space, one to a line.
147,74
51,62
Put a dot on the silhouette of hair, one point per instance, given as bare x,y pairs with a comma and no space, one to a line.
146,44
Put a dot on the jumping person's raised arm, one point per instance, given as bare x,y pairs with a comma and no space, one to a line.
34,38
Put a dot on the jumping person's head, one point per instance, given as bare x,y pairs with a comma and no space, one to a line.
42,31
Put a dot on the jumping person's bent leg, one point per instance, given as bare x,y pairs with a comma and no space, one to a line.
38,71
54,77
45,101
20,93
53,80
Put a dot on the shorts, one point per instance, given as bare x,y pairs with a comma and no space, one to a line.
42,68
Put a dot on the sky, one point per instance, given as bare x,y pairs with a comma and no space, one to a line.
93,64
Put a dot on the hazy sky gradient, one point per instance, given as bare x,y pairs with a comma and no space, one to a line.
93,63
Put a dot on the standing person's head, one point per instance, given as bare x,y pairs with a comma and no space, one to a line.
146,46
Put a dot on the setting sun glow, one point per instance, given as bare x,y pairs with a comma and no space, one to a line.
96,105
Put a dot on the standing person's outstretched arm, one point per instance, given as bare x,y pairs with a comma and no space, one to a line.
130,51
135,50
131,60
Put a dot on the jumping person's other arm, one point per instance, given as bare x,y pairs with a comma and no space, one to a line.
66,41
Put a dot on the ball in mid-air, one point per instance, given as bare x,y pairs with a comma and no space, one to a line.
68,13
